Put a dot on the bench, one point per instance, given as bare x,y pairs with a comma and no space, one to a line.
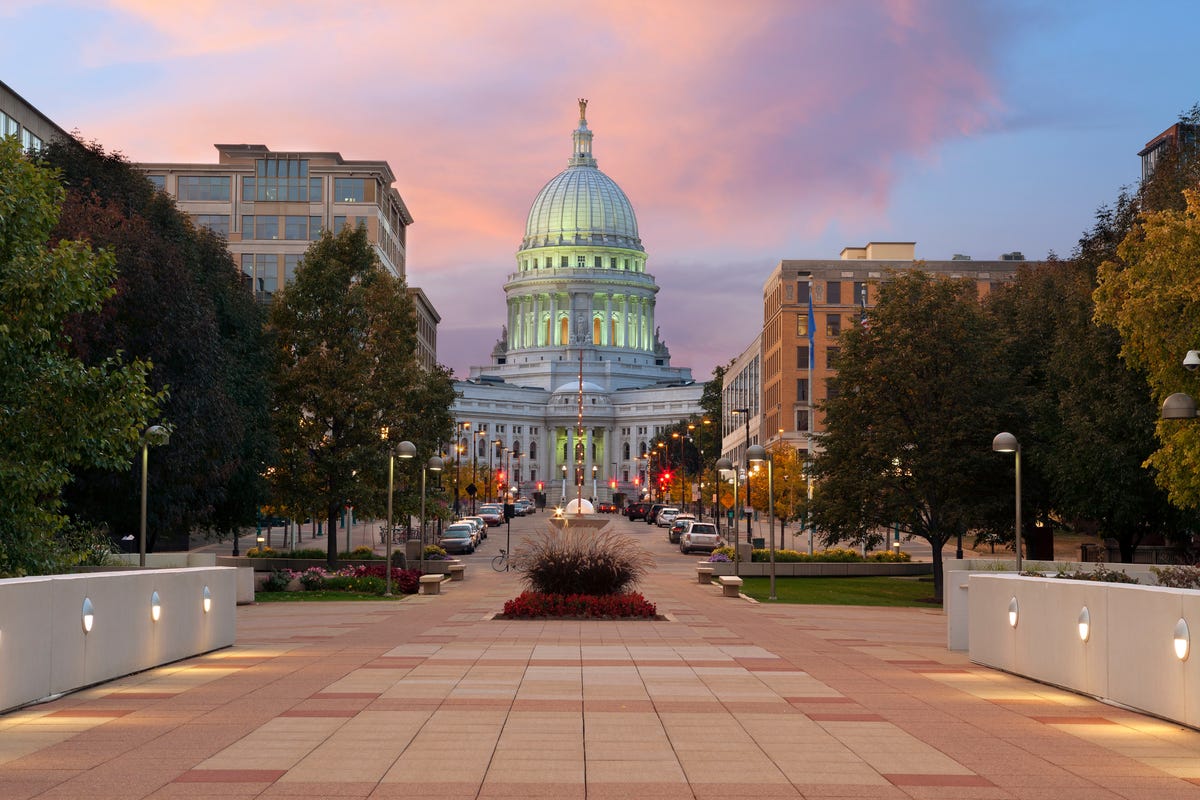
458,571
431,584
704,573
731,585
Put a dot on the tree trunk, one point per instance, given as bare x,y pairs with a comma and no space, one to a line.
331,541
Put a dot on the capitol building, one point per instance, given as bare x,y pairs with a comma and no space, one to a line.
580,328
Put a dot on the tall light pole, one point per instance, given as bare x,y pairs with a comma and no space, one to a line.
745,412
434,464
725,465
594,470
758,455
1007,443
403,450
564,489
154,435
474,454
459,443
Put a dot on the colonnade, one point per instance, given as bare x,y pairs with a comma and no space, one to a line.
543,320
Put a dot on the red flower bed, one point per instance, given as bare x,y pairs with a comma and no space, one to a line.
404,581
536,604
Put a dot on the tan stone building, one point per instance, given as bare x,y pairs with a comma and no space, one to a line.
270,206
806,306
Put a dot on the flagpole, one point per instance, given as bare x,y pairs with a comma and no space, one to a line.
812,356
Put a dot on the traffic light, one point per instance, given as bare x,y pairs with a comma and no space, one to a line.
539,486
612,484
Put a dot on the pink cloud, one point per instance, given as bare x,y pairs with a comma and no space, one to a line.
735,128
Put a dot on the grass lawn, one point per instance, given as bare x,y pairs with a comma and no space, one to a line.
317,597
868,591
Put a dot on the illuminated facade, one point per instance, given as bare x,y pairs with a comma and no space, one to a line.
579,302
270,206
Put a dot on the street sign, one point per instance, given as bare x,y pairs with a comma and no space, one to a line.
471,490
727,500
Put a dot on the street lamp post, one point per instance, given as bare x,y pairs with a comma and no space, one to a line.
1007,443
154,435
758,455
403,450
564,489
725,465
594,470
745,412
434,464
474,455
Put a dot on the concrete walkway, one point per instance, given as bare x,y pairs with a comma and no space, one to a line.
427,697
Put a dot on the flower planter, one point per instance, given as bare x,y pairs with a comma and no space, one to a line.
823,569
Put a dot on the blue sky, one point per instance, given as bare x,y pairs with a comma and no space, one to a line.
743,133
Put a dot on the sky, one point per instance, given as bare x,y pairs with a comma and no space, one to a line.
743,133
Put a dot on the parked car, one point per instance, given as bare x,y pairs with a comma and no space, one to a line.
492,514
700,536
666,516
606,508
652,514
480,527
458,538
636,510
678,525
523,507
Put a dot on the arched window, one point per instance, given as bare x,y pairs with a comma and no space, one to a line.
627,451
516,446
533,449
481,449
596,331
643,449
563,332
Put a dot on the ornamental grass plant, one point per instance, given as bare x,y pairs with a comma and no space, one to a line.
575,562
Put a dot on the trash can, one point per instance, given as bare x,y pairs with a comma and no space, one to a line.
759,542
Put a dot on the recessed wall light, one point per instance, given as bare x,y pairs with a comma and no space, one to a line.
1085,625
1183,640
207,602
1013,611
155,606
89,614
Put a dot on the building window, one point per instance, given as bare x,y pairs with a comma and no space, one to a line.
581,261
295,228
159,182
263,271
625,450
260,227
29,142
599,262
860,293
350,190
801,419
290,262
315,190
532,449
831,388
833,325
802,390
831,356
281,179
203,188
802,325
217,223
802,357
833,292
566,262
314,228
802,291
8,125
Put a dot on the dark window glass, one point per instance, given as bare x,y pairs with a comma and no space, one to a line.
266,227
248,189
802,357
831,357
833,292
159,181
833,324
802,291
860,293
203,187
217,223
802,389
295,227
831,388
290,262
314,227
314,190
349,190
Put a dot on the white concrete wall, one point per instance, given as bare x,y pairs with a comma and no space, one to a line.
174,560
1129,657
44,650
956,602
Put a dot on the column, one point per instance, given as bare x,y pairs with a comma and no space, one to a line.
649,325
553,320
609,456
608,324
587,462
511,326
537,321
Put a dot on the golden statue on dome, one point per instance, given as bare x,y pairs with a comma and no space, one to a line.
583,108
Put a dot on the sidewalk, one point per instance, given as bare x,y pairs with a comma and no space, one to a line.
427,697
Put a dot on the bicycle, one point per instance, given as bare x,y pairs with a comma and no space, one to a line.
500,562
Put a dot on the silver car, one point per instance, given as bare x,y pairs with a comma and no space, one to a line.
458,538
700,536
666,517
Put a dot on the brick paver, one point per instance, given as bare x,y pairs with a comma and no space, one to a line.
428,697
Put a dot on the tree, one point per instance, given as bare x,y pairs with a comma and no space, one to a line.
180,304
1151,294
908,431
58,412
344,338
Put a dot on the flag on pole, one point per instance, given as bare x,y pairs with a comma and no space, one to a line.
812,332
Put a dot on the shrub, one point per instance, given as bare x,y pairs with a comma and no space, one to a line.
1177,577
307,553
399,559
539,604
1101,573
890,556
726,551
313,578
278,580
834,555
404,581
367,584
568,562
718,556
434,553
261,552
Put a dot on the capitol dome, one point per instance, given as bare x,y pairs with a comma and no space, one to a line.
581,205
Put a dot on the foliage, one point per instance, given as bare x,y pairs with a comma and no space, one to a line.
313,578
60,412
180,304
262,552
278,579
77,545
719,557
346,367
1151,293
791,484
1100,574
864,591
920,395
1177,577
368,584
433,552
362,551
831,555
539,604
569,562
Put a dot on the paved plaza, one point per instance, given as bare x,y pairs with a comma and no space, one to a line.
429,697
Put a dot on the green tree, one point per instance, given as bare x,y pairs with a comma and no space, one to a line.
58,412
1150,292
344,337
181,304
909,428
